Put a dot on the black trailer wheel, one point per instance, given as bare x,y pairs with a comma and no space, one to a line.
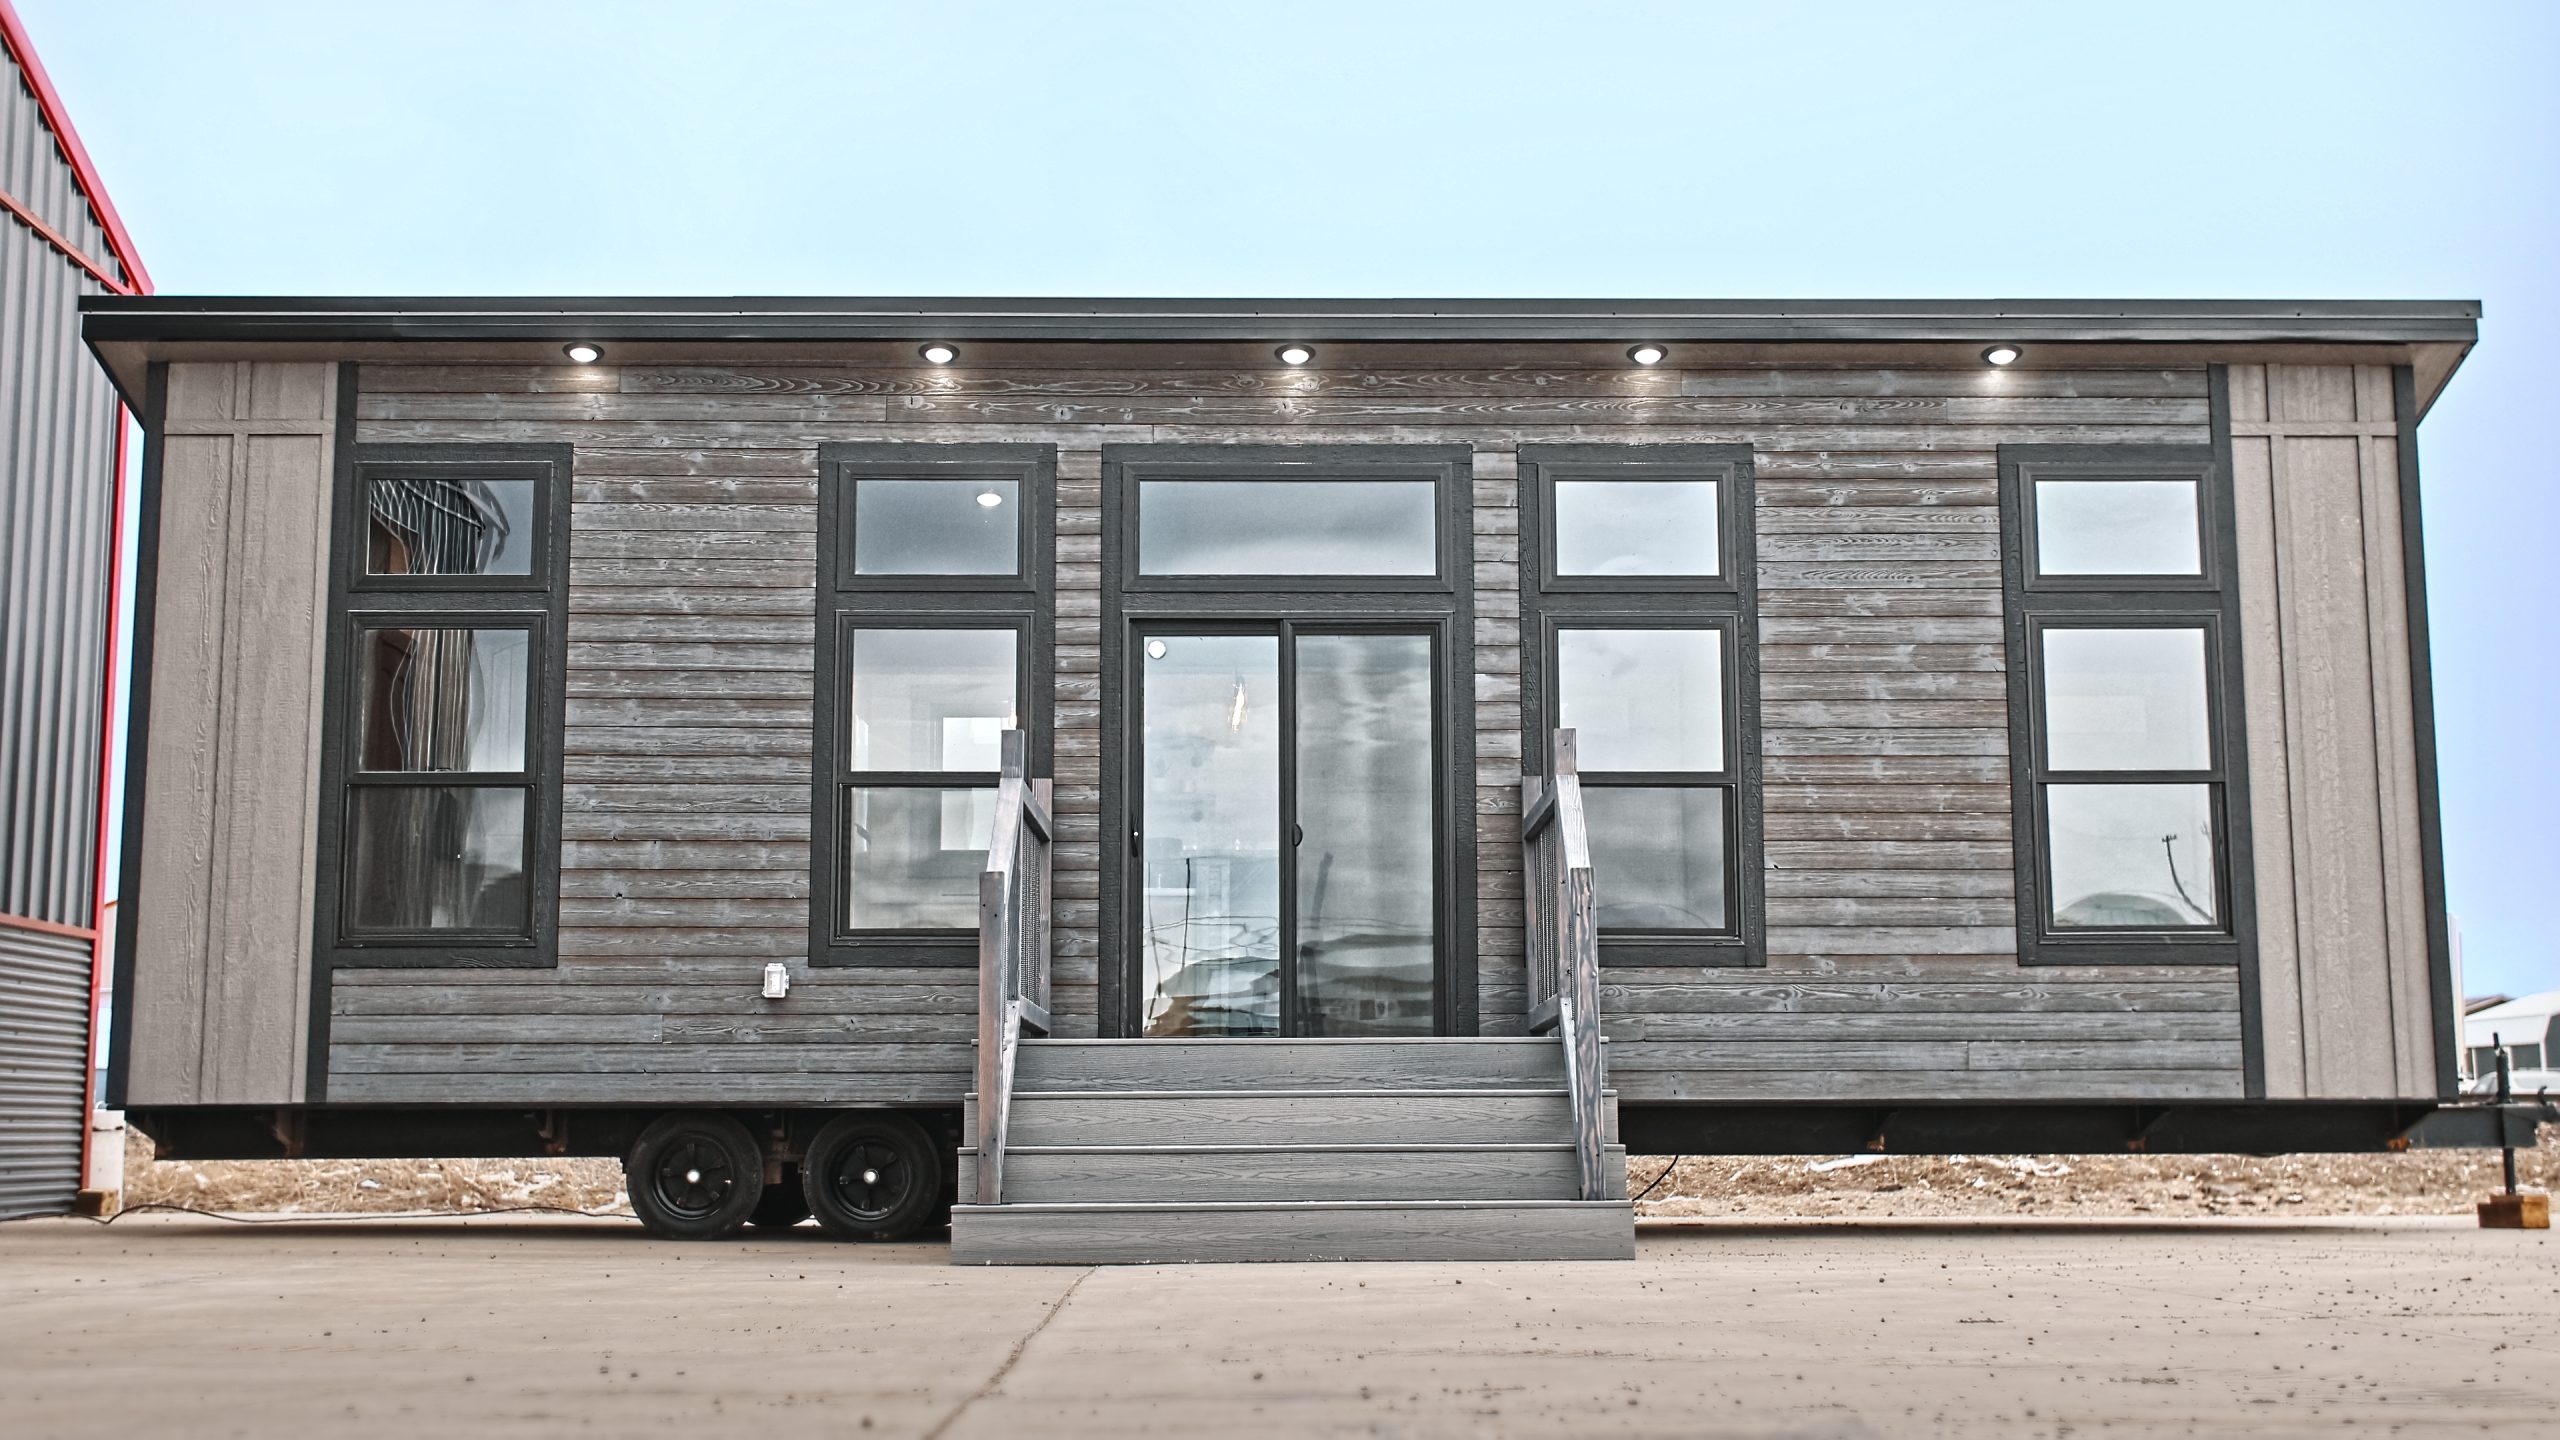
694,1176
871,1175
783,1205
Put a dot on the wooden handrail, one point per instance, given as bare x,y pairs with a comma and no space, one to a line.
1564,945
1013,951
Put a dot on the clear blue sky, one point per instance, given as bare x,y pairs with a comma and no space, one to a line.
1378,148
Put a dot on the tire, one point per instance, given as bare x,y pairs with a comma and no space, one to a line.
783,1206
871,1175
694,1175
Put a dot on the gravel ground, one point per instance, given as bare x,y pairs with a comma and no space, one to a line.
2440,1182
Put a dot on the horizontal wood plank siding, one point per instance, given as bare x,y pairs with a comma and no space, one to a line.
692,622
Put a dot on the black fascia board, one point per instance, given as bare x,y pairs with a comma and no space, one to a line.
111,318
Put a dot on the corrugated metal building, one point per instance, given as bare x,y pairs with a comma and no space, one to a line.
60,450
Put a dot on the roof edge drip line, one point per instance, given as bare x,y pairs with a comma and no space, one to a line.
714,319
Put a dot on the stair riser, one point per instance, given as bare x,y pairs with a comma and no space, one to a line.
1197,1176
1279,1065
1370,1119
1004,1236
1290,1120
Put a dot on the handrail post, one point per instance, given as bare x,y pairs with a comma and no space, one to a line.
1000,963
1576,928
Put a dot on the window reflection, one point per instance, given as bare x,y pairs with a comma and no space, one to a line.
2132,856
1209,856
1365,895
913,856
2117,527
1648,700
436,858
931,699
450,527
936,527
443,700
1657,857
1287,527
1621,528
2126,699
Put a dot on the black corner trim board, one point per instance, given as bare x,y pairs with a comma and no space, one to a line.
2447,1006
146,590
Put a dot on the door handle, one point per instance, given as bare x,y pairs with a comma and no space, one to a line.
1297,835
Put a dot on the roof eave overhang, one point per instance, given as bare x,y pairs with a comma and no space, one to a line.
124,329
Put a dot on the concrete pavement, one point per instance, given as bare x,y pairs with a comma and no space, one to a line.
183,1326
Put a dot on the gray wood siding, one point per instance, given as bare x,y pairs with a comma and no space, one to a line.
1891,973
2342,954
222,953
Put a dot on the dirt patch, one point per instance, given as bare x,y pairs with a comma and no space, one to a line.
340,1187
2420,1182
2432,1182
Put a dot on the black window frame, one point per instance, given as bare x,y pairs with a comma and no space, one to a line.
846,602
1727,601
1452,537
1442,604
2034,603
537,602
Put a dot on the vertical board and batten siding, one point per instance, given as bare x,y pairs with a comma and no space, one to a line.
58,420
1892,971
2346,984
221,914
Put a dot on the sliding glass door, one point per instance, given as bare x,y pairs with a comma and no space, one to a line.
1287,830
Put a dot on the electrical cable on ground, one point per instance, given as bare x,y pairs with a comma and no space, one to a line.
1658,1179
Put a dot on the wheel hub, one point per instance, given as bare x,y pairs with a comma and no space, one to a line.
870,1180
693,1179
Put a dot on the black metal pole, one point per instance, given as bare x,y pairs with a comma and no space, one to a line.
2506,1093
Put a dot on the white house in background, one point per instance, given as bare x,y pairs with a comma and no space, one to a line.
2529,1029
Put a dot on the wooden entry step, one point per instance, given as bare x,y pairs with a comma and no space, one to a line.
1160,1151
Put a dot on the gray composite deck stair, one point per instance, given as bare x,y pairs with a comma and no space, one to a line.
1145,1151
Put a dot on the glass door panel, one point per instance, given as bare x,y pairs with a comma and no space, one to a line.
1287,834
1209,834
1365,902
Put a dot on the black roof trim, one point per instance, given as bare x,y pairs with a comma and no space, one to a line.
175,317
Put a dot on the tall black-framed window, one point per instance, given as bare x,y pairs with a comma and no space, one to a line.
2125,746
1287,661
1637,625
446,692
935,636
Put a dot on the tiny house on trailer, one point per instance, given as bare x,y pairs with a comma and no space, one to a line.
1194,779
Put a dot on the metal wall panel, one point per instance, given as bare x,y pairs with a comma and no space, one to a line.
44,1063
58,422
57,487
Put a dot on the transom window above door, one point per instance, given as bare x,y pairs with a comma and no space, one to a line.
1308,518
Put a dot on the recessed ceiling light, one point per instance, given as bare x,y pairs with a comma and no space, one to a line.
2001,355
1155,649
1294,354
583,352
938,353
1646,354
990,498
